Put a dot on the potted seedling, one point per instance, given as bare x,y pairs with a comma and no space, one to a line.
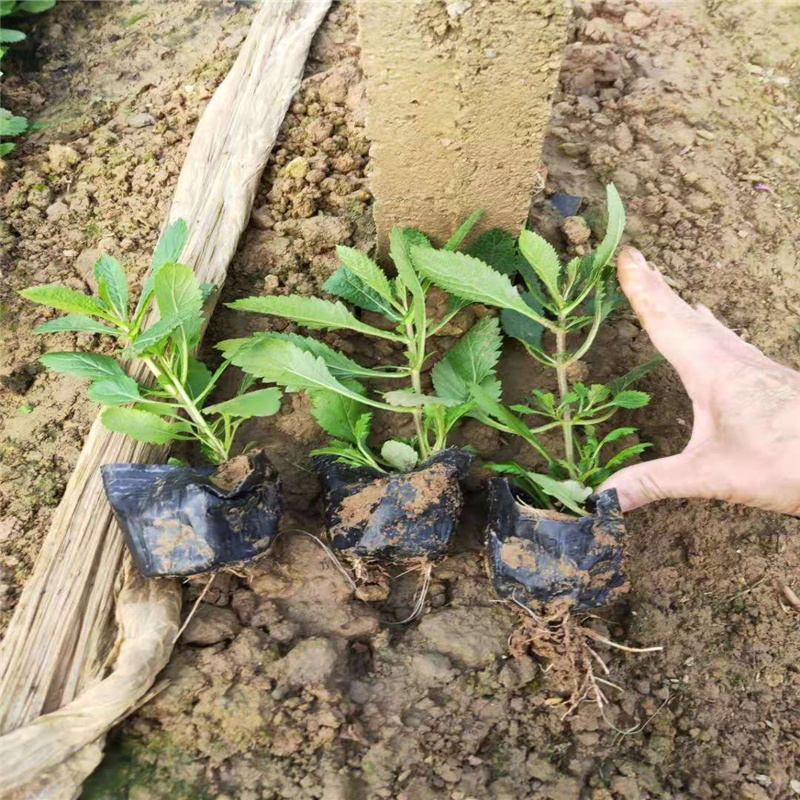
176,519
549,537
398,504
553,546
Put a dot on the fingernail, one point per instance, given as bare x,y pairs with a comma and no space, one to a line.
635,256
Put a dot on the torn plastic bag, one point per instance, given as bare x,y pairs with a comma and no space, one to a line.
398,517
179,521
538,557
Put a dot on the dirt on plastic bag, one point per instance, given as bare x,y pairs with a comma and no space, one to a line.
185,520
539,557
394,518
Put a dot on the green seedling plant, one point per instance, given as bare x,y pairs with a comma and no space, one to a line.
341,402
174,407
12,126
556,318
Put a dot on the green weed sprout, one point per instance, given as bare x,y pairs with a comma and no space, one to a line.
341,403
564,302
173,409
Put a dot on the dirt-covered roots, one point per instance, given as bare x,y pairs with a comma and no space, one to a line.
561,639
371,582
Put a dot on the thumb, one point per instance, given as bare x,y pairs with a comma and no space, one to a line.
674,327
637,485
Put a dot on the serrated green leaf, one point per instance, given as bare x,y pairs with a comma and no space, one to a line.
631,399
366,270
499,250
467,277
7,7
495,409
168,251
160,409
614,230
63,299
206,290
520,477
569,493
454,242
338,363
338,415
544,260
116,391
285,364
170,245
75,323
198,378
311,312
363,428
401,242
177,290
159,331
93,366
408,399
545,400
347,454
472,360
343,283
261,403
518,326
399,455
636,374
626,454
6,148
109,272
11,36
416,237
11,125
141,425
617,433
36,6
598,393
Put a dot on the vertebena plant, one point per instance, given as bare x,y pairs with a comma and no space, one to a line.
559,303
341,403
12,126
173,408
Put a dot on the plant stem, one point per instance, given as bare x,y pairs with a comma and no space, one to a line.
162,369
563,389
416,384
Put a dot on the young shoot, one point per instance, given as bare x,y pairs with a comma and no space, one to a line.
341,402
173,407
556,317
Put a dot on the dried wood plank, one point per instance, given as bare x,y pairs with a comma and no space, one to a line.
64,648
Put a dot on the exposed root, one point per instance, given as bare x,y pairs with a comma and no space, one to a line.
560,639
421,594
332,556
194,608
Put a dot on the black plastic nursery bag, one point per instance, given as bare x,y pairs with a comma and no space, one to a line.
538,557
178,521
394,518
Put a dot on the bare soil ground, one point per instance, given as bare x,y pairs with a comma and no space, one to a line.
284,685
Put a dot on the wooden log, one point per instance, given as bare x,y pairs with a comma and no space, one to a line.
459,98
77,614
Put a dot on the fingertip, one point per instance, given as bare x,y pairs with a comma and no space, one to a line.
636,276
628,499
630,258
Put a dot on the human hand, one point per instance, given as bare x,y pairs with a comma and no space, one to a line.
745,443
